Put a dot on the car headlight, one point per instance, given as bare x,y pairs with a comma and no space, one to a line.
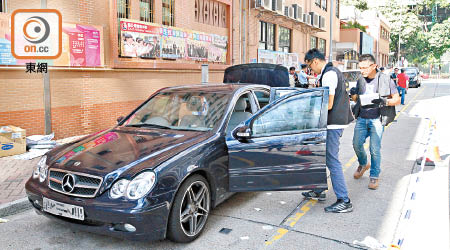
119,188
134,189
140,185
41,169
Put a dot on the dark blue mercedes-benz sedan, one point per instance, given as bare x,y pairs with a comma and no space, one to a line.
186,149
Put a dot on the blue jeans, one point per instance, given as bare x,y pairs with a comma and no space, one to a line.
402,92
334,165
363,129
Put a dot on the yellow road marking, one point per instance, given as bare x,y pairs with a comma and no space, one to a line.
291,221
280,233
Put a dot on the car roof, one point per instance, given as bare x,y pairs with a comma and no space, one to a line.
214,88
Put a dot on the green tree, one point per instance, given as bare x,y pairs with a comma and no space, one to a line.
439,38
418,44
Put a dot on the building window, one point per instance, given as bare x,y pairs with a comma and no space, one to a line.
324,4
313,42
317,2
337,8
267,36
284,42
123,9
146,7
3,6
168,10
322,45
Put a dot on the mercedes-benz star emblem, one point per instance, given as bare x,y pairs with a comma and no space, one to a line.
68,183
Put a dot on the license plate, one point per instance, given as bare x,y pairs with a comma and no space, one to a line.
63,209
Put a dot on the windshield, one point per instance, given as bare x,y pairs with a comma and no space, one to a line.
181,111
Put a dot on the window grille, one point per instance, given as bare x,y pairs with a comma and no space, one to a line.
168,11
146,9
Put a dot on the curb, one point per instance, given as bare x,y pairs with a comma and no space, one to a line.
15,207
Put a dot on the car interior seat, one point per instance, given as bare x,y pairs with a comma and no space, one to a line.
197,118
239,114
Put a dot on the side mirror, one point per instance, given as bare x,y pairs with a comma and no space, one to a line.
242,133
119,119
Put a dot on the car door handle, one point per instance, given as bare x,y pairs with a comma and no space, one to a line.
315,140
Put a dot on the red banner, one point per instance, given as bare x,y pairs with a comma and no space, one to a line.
140,27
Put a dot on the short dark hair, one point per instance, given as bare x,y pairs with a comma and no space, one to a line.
292,68
367,57
382,68
402,70
396,68
314,54
304,66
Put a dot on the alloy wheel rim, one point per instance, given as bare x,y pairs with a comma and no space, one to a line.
194,208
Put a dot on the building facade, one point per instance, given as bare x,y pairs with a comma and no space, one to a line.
135,47
267,29
85,99
376,28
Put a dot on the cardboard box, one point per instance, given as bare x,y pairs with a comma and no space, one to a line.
12,141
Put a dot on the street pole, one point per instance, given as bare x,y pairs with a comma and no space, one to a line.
47,93
331,31
399,39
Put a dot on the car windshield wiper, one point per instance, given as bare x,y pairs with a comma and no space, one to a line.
140,125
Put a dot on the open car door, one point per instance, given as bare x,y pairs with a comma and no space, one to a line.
282,146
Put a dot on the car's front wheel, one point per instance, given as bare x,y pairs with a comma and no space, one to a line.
190,210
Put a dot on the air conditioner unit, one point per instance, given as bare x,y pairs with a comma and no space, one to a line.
278,6
289,11
263,4
298,12
314,19
307,18
322,22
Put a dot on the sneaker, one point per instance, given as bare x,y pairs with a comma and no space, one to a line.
373,183
313,195
340,206
360,171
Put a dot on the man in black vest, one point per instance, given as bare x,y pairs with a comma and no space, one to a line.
373,91
339,116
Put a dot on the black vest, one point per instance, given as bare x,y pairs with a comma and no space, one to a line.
340,113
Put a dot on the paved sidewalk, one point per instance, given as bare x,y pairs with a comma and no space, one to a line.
13,175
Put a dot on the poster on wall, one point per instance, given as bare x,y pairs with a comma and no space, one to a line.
277,57
217,51
140,40
198,46
292,61
173,45
82,45
150,40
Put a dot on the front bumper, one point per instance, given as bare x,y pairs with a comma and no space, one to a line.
413,84
105,216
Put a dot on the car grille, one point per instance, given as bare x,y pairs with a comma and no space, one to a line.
85,185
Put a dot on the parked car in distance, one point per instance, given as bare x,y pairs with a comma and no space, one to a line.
415,80
183,151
